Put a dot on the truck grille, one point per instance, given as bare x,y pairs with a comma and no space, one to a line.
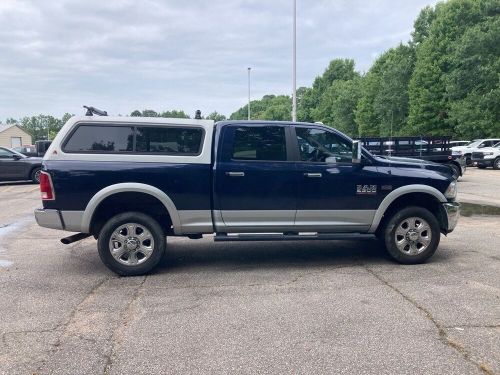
477,155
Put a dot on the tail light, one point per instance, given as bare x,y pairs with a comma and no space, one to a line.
46,187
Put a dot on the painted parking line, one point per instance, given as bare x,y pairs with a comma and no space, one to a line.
7,188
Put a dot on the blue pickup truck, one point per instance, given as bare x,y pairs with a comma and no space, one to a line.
133,182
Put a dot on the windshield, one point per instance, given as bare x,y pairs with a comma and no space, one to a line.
474,143
17,153
497,145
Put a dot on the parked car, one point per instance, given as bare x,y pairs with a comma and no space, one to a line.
487,157
15,166
466,151
27,150
459,143
130,182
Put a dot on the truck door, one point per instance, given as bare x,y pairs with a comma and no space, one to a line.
255,179
334,195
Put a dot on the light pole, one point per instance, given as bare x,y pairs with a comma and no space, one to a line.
294,63
249,92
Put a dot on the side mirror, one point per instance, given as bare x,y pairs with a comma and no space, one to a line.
356,152
16,157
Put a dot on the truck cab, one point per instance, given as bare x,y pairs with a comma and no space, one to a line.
132,182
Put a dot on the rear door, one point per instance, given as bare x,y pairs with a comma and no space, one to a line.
255,183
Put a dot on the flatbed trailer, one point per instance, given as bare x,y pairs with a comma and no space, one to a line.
434,149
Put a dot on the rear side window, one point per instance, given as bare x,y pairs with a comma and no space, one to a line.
260,143
101,139
169,140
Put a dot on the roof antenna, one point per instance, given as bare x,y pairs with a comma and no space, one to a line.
197,115
94,111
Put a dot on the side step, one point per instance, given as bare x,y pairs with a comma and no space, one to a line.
221,237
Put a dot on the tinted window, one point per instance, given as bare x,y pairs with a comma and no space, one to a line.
260,143
167,140
318,145
5,154
101,139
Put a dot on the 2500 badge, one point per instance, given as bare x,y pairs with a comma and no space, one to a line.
366,189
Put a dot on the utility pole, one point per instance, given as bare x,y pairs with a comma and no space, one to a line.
249,92
294,63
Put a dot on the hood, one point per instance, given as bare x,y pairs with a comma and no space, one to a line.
395,161
487,149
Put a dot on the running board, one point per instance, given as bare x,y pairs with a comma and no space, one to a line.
220,237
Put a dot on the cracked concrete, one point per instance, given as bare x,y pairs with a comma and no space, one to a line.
300,307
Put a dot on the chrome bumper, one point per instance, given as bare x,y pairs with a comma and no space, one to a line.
452,210
48,218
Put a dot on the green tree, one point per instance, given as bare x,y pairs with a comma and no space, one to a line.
216,116
270,107
384,104
430,104
174,114
42,126
473,84
338,104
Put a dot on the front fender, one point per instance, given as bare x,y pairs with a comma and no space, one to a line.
399,192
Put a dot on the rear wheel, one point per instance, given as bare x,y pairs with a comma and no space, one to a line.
411,235
131,243
35,175
496,163
481,166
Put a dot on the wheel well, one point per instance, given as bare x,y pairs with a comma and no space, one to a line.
130,201
424,200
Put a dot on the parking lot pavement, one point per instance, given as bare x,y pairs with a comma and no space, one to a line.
284,307
480,186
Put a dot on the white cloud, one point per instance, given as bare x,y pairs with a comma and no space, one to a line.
123,54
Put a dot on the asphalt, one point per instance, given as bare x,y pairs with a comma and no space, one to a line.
285,307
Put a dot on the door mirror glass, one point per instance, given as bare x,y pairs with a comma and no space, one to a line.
16,157
356,152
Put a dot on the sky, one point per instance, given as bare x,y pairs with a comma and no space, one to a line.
122,55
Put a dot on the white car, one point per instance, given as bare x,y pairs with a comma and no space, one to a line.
487,157
459,143
473,146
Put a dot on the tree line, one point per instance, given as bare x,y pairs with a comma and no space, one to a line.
444,81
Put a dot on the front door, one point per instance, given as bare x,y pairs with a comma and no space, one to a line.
9,168
334,194
255,180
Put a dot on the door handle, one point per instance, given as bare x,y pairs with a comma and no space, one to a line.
313,175
235,174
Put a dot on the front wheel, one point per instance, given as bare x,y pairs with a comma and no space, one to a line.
496,163
131,243
412,235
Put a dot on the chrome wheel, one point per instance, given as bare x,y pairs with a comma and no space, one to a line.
131,244
413,235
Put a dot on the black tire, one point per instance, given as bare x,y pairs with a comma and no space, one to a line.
455,170
496,163
35,175
146,263
468,160
480,166
393,223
